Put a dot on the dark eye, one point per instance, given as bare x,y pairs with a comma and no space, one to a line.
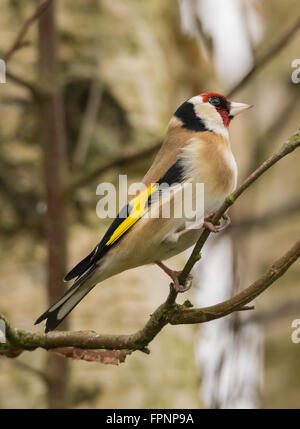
215,101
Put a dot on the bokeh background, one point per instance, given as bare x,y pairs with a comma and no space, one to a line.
111,74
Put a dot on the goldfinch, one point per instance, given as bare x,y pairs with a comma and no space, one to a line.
196,150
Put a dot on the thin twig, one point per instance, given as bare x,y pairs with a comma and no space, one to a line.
25,366
35,89
263,142
18,42
274,215
117,162
288,308
88,122
266,57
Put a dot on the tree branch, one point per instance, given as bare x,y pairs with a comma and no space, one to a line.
117,162
169,312
88,123
18,42
35,89
26,367
266,57
277,269
286,309
260,221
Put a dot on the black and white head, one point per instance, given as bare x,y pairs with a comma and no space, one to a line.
209,112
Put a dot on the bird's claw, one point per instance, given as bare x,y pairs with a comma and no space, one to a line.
179,288
216,228
175,275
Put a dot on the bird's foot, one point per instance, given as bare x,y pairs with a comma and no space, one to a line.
175,278
216,228
182,288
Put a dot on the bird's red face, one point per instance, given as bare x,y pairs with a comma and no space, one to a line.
226,109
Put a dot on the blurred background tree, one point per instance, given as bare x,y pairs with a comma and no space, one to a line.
95,84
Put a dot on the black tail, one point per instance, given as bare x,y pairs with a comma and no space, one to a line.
58,311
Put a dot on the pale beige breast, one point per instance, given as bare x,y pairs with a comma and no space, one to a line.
209,159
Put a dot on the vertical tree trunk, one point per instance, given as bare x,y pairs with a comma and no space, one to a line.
52,123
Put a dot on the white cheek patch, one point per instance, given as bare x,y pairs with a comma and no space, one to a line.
217,126
210,117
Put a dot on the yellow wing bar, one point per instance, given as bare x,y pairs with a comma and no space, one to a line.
138,210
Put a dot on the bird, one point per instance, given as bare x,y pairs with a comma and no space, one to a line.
196,149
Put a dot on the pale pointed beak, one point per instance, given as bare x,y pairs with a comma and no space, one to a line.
236,108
